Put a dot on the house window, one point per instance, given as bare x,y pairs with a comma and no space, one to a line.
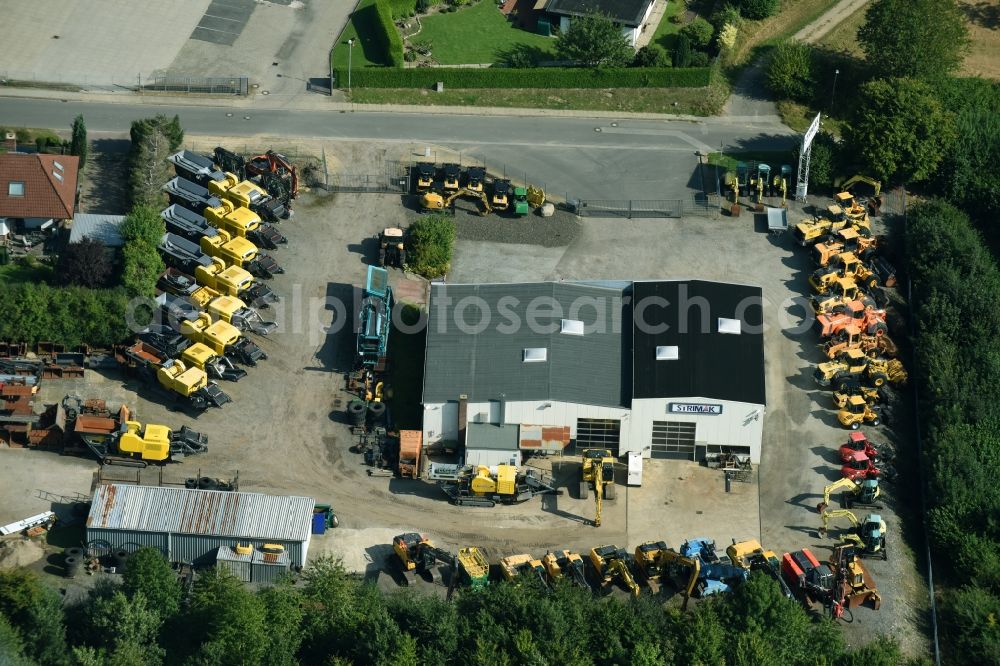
667,353
536,354
15,188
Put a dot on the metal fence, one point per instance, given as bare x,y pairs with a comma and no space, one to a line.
212,85
631,208
394,179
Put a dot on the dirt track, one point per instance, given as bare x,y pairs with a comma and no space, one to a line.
816,30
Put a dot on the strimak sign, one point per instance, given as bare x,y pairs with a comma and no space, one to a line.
693,408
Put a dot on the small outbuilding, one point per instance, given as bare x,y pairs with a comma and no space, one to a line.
98,227
194,526
490,444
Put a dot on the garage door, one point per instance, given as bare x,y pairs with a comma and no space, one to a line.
598,434
673,439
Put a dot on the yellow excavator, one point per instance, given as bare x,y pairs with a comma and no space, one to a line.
611,563
867,536
597,468
526,565
865,493
653,561
434,201
566,563
846,185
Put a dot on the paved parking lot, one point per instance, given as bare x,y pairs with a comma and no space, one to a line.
278,44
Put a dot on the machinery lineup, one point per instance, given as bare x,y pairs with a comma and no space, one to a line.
221,212
695,570
756,183
439,188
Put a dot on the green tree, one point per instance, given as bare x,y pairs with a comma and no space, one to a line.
153,139
790,71
700,32
36,614
85,264
11,646
651,56
78,142
432,241
922,39
758,9
226,624
900,129
122,631
825,161
682,51
727,14
142,265
149,574
596,41
284,621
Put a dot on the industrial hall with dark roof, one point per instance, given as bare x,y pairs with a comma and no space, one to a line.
666,368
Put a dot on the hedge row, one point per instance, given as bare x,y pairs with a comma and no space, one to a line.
388,37
540,77
401,8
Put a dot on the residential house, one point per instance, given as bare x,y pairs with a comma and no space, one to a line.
37,192
630,14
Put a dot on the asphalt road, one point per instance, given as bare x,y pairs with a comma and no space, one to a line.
581,157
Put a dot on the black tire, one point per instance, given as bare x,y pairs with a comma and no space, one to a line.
876,421
855,425
879,329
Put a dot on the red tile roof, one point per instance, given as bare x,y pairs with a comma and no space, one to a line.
44,194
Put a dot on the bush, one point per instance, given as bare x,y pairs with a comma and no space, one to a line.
700,59
69,316
423,5
541,77
682,51
699,31
651,56
432,240
84,264
758,9
825,161
385,31
727,14
410,56
141,262
790,71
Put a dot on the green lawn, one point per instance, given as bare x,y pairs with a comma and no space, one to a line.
477,34
773,157
361,28
14,273
666,32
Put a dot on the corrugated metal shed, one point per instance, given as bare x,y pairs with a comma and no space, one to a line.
484,358
101,228
239,565
201,512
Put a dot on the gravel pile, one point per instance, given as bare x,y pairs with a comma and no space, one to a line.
557,231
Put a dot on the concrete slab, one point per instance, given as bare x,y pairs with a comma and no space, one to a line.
102,42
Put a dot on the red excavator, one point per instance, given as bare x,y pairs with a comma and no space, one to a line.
277,165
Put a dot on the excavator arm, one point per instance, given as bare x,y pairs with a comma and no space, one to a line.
827,516
839,484
692,563
598,491
620,568
877,185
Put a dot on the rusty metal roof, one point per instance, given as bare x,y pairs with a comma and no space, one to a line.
207,512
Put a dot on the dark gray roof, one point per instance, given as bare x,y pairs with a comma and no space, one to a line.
491,437
589,369
101,228
629,12
709,364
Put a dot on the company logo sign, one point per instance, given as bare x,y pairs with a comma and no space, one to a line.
694,408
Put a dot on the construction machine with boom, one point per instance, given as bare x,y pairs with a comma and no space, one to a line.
814,583
416,556
852,365
861,314
611,564
854,584
654,563
864,492
430,201
851,337
751,556
867,534
566,563
514,567
486,487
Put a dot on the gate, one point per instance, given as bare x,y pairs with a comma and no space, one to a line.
630,208
395,179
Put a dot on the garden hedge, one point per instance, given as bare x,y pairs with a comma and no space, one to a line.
386,33
540,77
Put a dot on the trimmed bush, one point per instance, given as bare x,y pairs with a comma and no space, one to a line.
541,77
388,37
682,51
699,31
432,240
790,71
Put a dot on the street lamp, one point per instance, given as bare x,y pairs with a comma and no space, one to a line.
833,94
350,51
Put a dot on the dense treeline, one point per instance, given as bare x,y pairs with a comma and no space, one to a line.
65,315
956,289
331,618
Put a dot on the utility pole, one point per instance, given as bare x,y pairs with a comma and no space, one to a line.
350,52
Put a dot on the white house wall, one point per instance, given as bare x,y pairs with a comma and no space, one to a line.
740,424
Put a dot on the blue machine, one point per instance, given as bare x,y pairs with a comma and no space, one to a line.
375,319
716,576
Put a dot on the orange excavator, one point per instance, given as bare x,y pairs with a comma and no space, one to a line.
277,165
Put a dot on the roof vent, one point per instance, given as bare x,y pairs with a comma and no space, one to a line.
667,353
58,176
731,326
58,166
536,354
571,327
